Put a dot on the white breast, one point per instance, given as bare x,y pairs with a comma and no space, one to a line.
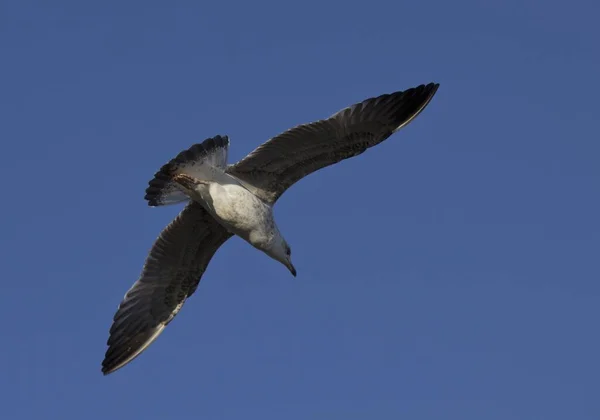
236,208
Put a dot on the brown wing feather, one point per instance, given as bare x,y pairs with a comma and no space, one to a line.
283,160
170,275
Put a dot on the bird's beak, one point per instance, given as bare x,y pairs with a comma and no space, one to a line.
291,268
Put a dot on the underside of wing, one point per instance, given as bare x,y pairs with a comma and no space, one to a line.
277,164
170,275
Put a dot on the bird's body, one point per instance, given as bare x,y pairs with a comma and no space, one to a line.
235,208
226,200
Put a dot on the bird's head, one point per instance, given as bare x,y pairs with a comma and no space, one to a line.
282,252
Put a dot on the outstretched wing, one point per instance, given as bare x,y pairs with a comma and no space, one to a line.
277,164
170,275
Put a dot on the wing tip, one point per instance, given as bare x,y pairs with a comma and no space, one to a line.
426,91
106,370
422,95
432,89
109,366
121,354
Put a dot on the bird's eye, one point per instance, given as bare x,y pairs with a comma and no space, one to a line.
288,251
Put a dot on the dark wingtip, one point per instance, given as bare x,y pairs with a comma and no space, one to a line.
418,98
432,88
114,361
429,89
106,369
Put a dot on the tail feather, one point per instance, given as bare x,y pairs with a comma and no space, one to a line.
199,161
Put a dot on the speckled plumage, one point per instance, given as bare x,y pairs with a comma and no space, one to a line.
238,200
237,210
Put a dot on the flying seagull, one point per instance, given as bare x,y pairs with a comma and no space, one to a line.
226,200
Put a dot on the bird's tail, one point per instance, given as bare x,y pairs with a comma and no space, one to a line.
200,161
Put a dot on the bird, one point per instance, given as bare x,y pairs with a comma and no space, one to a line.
224,200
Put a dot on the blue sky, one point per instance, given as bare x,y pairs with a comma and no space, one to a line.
451,272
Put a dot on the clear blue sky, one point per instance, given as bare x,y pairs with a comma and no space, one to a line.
450,273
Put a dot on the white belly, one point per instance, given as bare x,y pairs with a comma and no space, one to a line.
237,209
